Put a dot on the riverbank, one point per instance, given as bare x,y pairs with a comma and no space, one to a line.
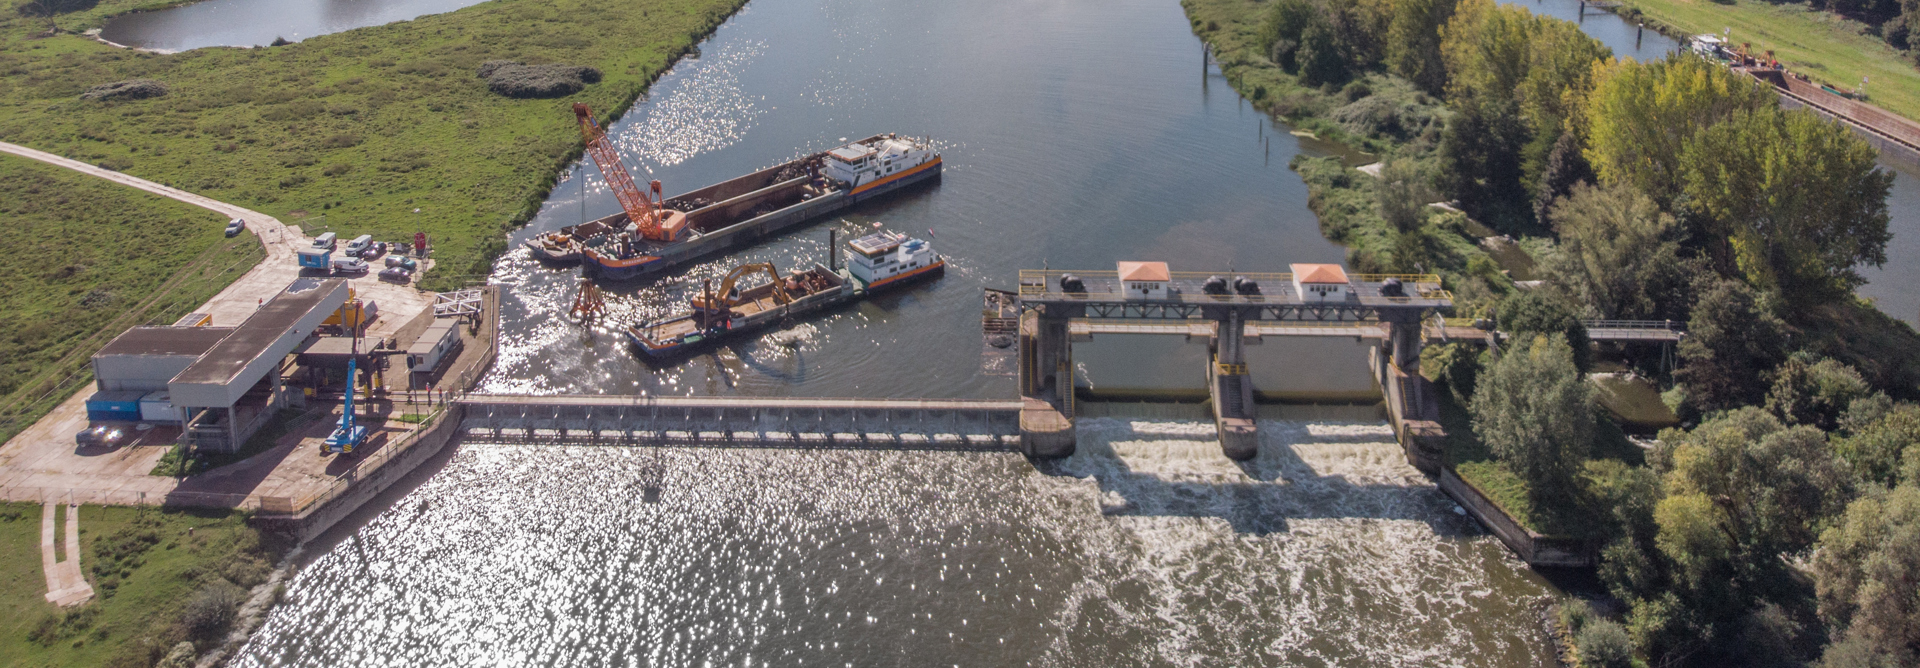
383,130
148,566
1830,48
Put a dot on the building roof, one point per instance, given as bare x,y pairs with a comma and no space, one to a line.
224,361
1320,273
1144,271
165,341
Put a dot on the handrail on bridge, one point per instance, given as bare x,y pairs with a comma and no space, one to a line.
1634,324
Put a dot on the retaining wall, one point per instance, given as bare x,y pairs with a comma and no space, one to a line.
1533,548
363,486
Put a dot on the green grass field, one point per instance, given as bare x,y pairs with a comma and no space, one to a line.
384,130
142,566
86,259
1825,46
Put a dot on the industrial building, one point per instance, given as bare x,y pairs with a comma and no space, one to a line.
221,383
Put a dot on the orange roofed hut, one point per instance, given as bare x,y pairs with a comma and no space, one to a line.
1145,280
1320,282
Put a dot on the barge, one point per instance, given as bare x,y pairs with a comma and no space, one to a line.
875,262
744,210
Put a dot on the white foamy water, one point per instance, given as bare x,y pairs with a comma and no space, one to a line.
1145,548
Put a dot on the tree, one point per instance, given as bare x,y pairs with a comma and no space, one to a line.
1798,200
1486,49
1280,33
1877,448
1480,166
1639,117
1566,166
1323,58
1413,43
1743,494
1867,578
1617,254
1535,412
1813,390
1560,65
1530,312
1732,339
1402,193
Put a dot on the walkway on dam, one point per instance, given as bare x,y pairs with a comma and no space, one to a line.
758,422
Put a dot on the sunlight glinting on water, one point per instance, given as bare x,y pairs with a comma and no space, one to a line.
1146,546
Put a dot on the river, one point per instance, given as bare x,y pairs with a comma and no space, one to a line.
1075,133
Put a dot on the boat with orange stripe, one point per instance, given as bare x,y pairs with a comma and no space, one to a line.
742,211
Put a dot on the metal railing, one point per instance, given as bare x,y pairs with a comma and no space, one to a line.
1668,325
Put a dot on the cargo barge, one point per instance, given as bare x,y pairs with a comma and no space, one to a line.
875,262
733,213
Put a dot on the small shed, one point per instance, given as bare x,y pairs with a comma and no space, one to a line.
157,406
1145,280
1320,282
427,351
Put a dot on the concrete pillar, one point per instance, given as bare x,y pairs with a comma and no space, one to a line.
1046,418
1231,389
1403,339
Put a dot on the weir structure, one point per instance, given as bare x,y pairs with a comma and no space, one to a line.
1230,310
750,422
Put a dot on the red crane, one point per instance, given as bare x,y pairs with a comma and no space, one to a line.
655,222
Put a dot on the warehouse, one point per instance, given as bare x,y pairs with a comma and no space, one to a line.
223,381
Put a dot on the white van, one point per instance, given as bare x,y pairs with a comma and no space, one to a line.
349,265
324,241
359,245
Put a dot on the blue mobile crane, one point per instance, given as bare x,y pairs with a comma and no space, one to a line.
347,435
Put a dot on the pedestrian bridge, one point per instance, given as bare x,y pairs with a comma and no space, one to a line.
756,422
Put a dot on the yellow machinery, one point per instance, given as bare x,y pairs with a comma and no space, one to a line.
727,298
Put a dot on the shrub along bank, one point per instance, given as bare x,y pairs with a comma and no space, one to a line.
386,130
155,586
1667,190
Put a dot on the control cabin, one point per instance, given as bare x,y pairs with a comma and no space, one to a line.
1321,282
1145,280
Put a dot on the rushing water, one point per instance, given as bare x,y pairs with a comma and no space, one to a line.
1145,548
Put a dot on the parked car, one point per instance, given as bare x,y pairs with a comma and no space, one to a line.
402,262
104,436
235,226
379,248
349,265
396,275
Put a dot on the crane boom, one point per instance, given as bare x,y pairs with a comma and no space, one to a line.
655,222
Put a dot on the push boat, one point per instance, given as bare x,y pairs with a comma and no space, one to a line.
875,262
741,211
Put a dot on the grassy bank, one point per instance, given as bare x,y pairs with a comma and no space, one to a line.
85,260
384,130
1823,45
148,576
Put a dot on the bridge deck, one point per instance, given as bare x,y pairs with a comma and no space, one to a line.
775,422
1422,290
633,400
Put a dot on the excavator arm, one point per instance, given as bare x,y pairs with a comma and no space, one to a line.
723,297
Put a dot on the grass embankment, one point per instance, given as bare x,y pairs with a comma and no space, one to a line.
1823,45
84,260
154,585
354,131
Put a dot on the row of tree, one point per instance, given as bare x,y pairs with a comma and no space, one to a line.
1784,527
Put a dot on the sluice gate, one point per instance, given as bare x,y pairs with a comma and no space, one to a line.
617,420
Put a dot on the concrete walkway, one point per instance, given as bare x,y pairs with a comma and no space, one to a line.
66,586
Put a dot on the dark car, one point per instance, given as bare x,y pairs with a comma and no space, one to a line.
235,226
105,436
396,275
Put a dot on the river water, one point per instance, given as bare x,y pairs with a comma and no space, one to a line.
1075,133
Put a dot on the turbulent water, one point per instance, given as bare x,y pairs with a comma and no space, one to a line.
1145,548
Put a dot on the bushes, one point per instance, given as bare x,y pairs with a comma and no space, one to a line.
131,89
517,80
211,611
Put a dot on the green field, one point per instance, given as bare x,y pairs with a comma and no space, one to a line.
384,130
87,258
143,567
1822,45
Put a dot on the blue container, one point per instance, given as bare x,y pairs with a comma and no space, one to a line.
116,405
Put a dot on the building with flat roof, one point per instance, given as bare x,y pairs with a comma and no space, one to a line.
225,381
